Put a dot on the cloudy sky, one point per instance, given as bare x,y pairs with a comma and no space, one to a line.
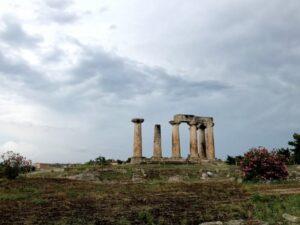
74,73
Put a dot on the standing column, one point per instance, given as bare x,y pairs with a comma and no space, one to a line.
201,143
137,140
193,140
175,140
157,152
210,146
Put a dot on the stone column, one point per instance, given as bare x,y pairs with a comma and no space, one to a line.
209,137
157,152
175,140
193,140
137,140
201,142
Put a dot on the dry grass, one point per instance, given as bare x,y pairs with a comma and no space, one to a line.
40,201
113,198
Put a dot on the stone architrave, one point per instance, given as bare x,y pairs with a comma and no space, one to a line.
193,140
209,138
137,138
201,142
157,151
175,140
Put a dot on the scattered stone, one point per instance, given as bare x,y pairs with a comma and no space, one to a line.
123,171
212,223
175,179
136,178
239,180
232,179
83,176
264,223
143,172
204,176
235,222
291,218
209,174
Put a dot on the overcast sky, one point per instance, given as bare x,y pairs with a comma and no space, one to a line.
74,73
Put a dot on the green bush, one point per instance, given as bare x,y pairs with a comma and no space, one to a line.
98,161
13,164
285,154
234,160
1,170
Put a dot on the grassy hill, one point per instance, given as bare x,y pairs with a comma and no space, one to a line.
144,194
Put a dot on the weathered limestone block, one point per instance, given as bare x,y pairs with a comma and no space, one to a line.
290,218
157,151
235,222
137,139
178,118
212,223
175,140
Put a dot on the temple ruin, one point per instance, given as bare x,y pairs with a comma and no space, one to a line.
201,140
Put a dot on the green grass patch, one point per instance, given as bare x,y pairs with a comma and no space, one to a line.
270,208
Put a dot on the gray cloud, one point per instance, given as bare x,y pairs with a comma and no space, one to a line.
17,69
14,34
63,17
59,4
126,78
59,12
55,55
240,63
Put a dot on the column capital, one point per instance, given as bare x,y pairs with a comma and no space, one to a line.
193,123
137,120
201,126
210,124
172,122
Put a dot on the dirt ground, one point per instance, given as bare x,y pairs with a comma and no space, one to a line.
114,197
39,201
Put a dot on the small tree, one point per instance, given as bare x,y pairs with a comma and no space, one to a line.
230,160
98,161
14,164
285,154
234,160
259,164
296,144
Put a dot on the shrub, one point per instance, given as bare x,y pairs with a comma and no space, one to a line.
230,160
259,164
98,161
1,170
120,161
14,164
234,160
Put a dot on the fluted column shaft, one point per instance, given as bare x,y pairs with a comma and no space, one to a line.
210,146
137,138
175,140
193,140
201,142
157,152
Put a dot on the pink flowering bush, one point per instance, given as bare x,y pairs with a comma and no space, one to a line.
260,164
14,164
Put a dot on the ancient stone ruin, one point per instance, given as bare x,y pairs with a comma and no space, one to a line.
201,140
